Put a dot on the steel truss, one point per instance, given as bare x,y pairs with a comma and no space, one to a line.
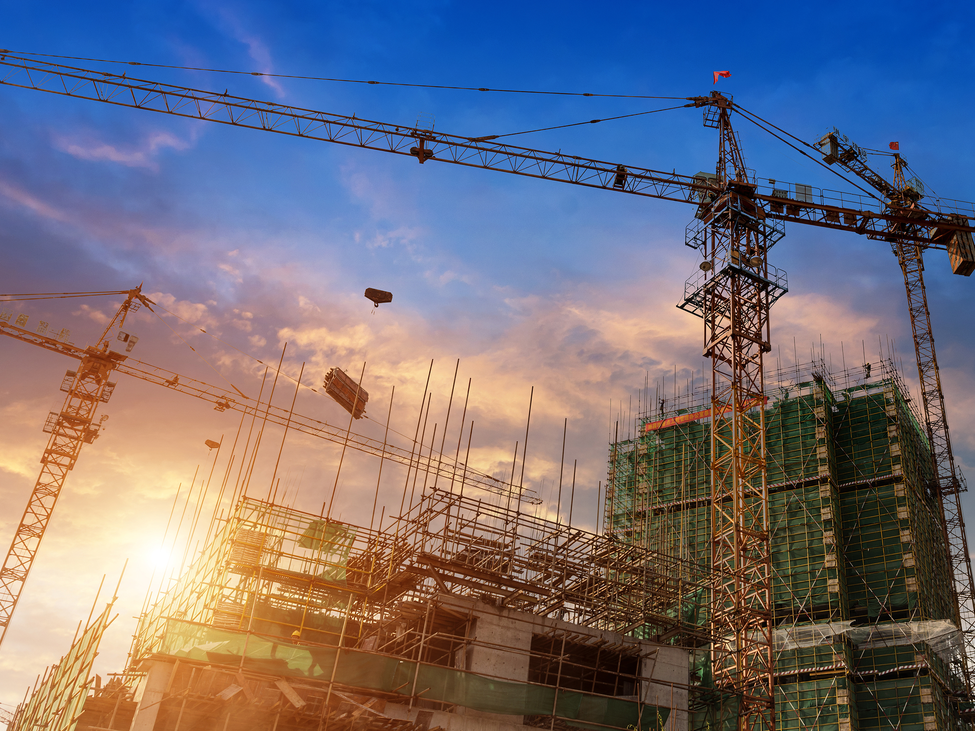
948,483
734,298
73,427
829,209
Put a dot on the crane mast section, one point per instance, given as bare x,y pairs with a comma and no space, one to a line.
949,483
733,298
835,210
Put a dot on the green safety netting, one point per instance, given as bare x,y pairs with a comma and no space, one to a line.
370,671
332,541
844,545
825,705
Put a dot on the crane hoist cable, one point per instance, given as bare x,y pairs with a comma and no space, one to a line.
445,87
580,124
760,123
736,218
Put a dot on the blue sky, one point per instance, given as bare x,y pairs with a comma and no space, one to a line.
263,239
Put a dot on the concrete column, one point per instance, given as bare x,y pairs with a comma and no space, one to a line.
501,648
665,674
149,695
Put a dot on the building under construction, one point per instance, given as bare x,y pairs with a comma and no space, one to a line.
462,614
469,612
862,590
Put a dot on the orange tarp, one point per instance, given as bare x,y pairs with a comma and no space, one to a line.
694,416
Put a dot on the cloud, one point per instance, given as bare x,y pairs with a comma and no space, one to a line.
808,317
383,193
579,348
19,456
574,349
27,200
95,225
232,271
256,48
191,313
141,155
404,236
94,314
445,277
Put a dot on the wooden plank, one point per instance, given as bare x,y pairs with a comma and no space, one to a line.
289,693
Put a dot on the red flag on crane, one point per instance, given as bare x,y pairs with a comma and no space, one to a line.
720,74
895,145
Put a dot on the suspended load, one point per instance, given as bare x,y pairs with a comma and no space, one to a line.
378,296
346,392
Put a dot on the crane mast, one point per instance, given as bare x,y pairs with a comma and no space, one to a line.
70,429
733,295
948,483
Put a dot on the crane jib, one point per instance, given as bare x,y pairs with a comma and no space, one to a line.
864,216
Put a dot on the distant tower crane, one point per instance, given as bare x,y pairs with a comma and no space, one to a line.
737,222
902,196
73,427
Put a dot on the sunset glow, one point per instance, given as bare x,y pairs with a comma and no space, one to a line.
256,249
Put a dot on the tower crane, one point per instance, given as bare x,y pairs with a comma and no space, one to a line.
75,425
904,196
739,218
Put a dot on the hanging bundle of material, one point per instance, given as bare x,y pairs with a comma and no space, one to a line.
346,392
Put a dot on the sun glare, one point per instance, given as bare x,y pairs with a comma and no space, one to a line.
158,558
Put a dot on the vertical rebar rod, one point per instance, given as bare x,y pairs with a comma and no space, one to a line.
345,442
446,422
558,501
382,457
287,425
267,411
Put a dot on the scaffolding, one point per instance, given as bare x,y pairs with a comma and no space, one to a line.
460,606
466,607
863,602
275,570
59,696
